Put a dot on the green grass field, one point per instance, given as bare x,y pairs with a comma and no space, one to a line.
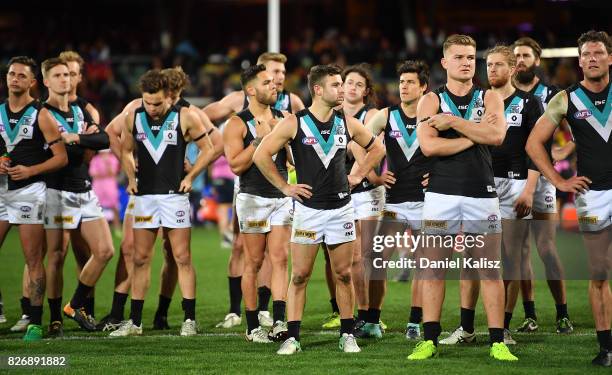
226,351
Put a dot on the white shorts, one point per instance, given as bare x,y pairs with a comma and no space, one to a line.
256,214
25,205
162,210
447,214
508,191
65,209
3,190
545,197
408,212
594,209
312,226
129,210
369,203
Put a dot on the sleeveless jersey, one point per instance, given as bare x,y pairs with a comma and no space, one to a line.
544,93
510,159
468,173
22,139
589,117
319,152
252,181
283,102
365,184
404,157
74,177
160,152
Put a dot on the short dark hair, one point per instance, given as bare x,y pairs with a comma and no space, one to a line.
363,70
595,36
319,72
153,81
51,63
528,42
24,60
250,74
419,67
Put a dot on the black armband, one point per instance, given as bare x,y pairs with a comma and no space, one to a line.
54,142
370,143
96,141
211,131
200,137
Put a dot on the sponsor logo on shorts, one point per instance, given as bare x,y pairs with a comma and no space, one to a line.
25,208
143,219
256,223
309,141
581,115
347,225
63,219
389,214
549,198
493,217
180,213
588,219
311,235
375,202
435,224
395,134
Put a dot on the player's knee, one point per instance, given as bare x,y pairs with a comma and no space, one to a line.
141,260
300,279
344,277
182,258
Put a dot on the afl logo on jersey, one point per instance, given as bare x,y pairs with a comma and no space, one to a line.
581,115
395,134
141,137
309,141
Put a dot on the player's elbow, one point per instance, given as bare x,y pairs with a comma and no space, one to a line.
498,138
62,159
427,148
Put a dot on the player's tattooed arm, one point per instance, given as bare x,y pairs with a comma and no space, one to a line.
539,136
430,142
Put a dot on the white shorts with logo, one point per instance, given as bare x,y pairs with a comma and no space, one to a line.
257,214
129,210
508,191
65,209
3,190
369,203
408,212
25,205
545,197
161,210
594,209
313,226
450,214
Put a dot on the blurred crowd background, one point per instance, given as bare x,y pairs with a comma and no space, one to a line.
213,40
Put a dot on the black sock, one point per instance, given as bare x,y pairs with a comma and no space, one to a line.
373,316
467,320
346,326
78,299
90,303
278,310
25,306
162,306
334,305
36,315
263,294
562,311
293,329
119,300
252,320
529,307
362,315
136,311
188,308
496,335
416,315
507,319
605,339
235,294
431,331
55,309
